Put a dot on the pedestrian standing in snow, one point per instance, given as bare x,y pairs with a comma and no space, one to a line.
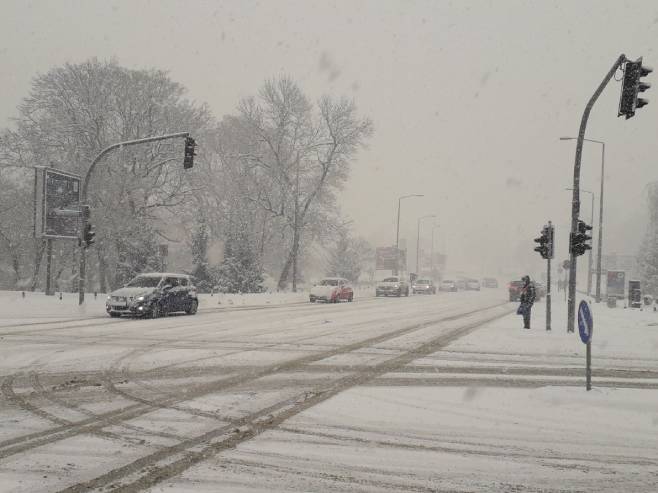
527,299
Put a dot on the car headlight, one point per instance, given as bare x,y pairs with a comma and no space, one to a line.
109,298
396,286
141,298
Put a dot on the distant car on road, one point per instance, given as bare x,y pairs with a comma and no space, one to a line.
472,285
489,282
392,286
331,290
423,286
448,285
155,294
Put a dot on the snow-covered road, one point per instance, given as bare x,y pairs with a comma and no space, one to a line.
428,393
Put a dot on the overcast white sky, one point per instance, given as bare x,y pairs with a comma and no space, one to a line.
468,98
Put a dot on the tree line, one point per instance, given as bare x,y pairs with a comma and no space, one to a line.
260,200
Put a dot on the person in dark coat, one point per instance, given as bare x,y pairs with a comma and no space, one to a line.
527,298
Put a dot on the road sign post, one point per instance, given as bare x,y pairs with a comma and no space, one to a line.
585,328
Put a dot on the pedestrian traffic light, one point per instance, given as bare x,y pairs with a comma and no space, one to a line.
188,160
578,241
545,241
632,86
89,235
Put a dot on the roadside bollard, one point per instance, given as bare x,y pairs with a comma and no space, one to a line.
60,295
95,294
23,294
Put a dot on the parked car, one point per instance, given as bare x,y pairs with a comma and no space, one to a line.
461,284
514,289
472,285
392,286
447,285
155,294
331,290
423,286
489,282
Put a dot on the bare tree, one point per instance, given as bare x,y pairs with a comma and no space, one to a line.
76,110
296,156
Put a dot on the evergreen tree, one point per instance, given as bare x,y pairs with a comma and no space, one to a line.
241,270
199,249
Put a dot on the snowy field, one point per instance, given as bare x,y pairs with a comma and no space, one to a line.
427,393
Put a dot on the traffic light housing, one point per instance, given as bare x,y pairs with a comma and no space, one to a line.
578,241
545,241
188,160
89,235
632,85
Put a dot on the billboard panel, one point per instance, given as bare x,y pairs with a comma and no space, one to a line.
57,204
385,258
616,281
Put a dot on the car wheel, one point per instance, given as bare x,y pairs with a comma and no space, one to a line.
407,293
193,307
156,312
399,293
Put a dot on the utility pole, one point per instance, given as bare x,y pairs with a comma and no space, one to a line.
599,249
83,198
575,204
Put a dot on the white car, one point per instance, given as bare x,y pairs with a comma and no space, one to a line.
331,290
473,285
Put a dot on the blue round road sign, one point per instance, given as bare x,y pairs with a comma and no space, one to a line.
585,323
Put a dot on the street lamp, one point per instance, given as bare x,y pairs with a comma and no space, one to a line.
418,241
589,261
599,253
397,231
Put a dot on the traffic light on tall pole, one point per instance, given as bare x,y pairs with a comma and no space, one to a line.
545,248
188,160
578,241
632,86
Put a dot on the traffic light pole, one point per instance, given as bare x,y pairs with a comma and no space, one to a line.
575,204
83,199
548,295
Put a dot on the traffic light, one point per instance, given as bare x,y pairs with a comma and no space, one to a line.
578,241
545,241
89,235
632,86
188,160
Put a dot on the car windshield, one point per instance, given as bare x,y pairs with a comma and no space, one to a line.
423,281
329,282
144,282
391,279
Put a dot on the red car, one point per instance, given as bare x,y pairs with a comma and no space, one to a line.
516,287
331,290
